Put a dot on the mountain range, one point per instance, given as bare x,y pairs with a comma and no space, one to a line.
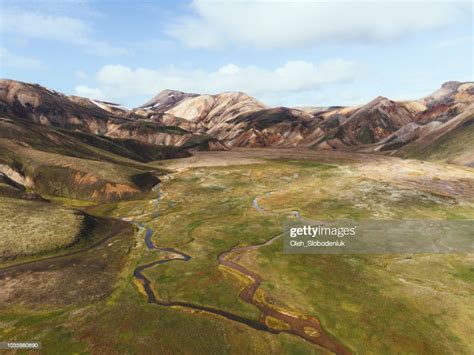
382,125
45,132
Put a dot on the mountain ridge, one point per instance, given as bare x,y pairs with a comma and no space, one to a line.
176,118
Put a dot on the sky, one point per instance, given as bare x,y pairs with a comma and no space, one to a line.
292,53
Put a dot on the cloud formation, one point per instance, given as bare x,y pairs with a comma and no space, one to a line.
286,24
117,82
66,29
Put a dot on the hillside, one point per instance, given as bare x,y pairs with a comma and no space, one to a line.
382,125
38,104
216,122
450,142
77,165
374,122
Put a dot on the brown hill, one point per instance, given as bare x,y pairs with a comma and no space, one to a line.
279,126
450,142
374,121
174,118
165,100
451,99
382,125
58,162
47,107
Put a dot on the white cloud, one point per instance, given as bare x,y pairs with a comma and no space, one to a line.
9,59
118,82
282,24
92,93
60,28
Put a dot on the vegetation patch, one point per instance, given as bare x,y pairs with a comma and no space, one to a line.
277,324
33,227
78,277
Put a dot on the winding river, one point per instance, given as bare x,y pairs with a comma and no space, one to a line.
307,328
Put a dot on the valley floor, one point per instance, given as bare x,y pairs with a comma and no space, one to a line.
202,271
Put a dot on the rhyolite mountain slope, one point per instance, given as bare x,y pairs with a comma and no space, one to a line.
446,111
451,99
165,100
44,106
48,107
77,165
65,147
374,121
194,121
382,125
199,113
451,141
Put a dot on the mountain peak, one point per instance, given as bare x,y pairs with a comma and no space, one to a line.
444,94
169,92
167,98
378,100
239,96
451,85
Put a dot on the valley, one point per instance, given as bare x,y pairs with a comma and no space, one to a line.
255,177
203,263
159,229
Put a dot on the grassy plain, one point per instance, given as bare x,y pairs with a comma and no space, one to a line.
418,303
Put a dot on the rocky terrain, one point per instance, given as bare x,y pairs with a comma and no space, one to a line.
47,107
52,142
382,125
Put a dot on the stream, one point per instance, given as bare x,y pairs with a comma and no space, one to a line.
307,328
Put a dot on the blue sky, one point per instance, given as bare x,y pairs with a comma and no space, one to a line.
291,53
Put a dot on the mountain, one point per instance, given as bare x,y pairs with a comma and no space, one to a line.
281,126
48,107
450,142
451,92
374,122
201,112
235,119
388,126
77,165
382,125
451,99
64,146
165,100
83,145
435,117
